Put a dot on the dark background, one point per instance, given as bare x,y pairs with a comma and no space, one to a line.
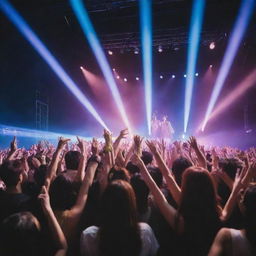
23,71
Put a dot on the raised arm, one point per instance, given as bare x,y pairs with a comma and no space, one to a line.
123,134
77,209
81,167
200,156
56,231
171,183
54,163
241,181
13,149
167,210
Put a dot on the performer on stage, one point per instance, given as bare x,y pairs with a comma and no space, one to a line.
167,130
155,126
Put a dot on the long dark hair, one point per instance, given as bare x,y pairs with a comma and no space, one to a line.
119,231
198,207
249,202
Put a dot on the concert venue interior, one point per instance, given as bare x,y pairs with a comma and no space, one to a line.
127,127
75,67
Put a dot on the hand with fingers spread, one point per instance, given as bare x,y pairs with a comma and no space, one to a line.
95,146
137,144
124,134
193,142
152,146
62,142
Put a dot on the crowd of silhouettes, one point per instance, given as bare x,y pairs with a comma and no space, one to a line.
127,197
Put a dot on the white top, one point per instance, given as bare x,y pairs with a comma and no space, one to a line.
240,244
89,246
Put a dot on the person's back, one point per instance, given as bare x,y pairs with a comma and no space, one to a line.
233,242
119,232
12,200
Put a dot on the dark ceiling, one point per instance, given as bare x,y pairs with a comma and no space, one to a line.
117,24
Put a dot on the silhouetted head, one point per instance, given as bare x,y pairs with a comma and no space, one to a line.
230,166
72,159
178,167
63,193
147,157
141,191
198,203
119,232
132,168
156,175
20,235
11,173
40,175
117,173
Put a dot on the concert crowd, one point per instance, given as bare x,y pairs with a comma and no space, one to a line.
127,197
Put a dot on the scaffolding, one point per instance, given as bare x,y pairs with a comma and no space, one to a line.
42,112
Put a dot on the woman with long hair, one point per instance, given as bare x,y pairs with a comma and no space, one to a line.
119,232
198,217
234,242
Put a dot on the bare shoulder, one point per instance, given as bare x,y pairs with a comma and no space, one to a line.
222,243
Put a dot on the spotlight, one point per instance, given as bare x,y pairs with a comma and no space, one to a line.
117,77
110,52
114,69
212,45
193,47
43,51
196,74
245,13
81,67
160,49
137,78
183,136
185,75
211,66
146,50
94,42
173,76
161,77
125,79
136,51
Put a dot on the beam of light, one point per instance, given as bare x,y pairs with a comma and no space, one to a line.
194,39
40,135
240,89
146,42
96,84
38,45
90,33
245,13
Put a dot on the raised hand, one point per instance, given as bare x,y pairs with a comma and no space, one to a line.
95,146
124,133
137,144
62,142
108,141
193,142
81,145
13,145
45,199
152,146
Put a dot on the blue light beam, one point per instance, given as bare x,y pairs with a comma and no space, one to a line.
245,13
90,33
146,42
38,45
193,45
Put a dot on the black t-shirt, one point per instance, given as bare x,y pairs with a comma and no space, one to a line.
13,203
